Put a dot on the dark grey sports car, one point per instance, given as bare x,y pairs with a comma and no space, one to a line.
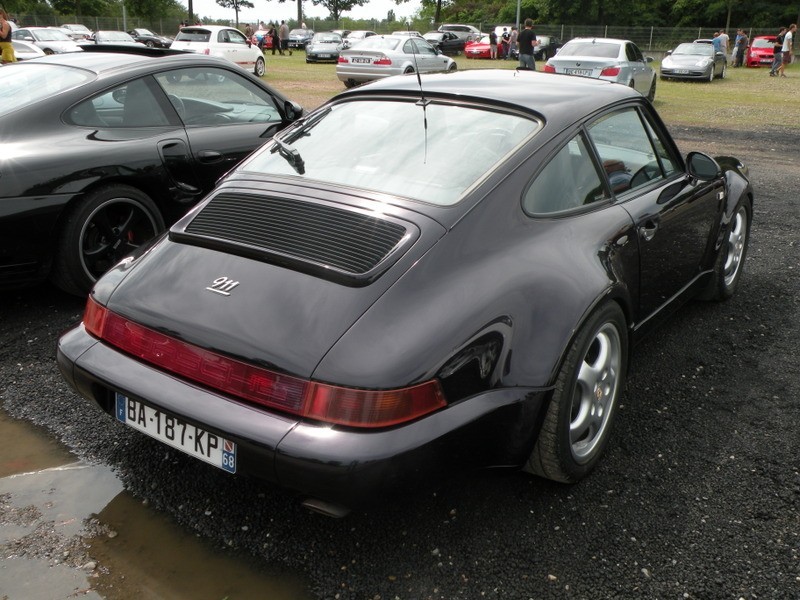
466,294
103,148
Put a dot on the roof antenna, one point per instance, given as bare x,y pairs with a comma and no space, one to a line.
423,102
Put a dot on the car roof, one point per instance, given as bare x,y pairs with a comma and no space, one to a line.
106,62
599,39
206,27
556,98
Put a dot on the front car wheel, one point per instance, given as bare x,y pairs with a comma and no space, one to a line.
730,260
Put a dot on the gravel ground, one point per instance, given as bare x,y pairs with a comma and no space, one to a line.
697,497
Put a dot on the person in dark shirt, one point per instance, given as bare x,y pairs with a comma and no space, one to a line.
492,44
527,41
777,49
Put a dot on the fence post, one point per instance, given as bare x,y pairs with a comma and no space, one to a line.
650,43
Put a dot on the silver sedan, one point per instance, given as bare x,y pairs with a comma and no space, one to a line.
694,61
615,60
382,56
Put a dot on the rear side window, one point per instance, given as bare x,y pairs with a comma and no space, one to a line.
130,105
569,181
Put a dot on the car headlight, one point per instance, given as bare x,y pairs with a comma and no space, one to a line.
704,63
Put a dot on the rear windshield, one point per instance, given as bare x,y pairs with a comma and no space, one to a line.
28,82
389,149
589,48
378,42
193,35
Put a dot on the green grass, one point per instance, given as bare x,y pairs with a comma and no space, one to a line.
745,99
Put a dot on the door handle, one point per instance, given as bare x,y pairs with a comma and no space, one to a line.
209,156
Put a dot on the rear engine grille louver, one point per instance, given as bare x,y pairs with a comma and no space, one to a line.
308,235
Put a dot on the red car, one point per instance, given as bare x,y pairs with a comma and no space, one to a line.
761,51
479,48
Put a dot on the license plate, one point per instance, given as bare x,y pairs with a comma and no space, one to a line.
324,55
767,60
682,71
174,432
361,60
583,72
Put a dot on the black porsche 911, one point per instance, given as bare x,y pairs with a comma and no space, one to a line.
466,294
103,148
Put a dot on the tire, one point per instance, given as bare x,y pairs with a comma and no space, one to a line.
260,67
453,67
408,70
724,71
711,75
151,44
584,401
48,51
107,225
730,261
651,95
350,83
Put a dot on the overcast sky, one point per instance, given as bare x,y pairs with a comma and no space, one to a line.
272,10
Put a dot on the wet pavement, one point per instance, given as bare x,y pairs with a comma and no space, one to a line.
69,530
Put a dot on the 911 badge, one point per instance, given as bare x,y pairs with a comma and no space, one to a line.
223,286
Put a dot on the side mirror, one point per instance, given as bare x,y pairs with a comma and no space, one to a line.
702,166
669,53
648,59
292,110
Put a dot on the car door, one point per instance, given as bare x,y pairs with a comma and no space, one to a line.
226,116
674,214
234,45
640,71
428,60
138,135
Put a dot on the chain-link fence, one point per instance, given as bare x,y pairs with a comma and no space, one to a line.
649,39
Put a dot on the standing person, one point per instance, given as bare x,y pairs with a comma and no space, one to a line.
6,46
512,42
527,41
724,42
777,53
283,34
742,42
248,31
492,44
276,40
735,46
786,51
504,41
717,43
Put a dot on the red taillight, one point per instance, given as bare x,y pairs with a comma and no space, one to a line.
549,69
310,399
342,59
383,61
609,72
207,51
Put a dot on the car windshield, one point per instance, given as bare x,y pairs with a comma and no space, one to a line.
28,83
590,48
144,32
193,35
437,164
763,43
327,38
52,35
298,32
694,49
114,36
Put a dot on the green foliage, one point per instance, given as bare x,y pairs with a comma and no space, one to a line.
83,7
147,8
337,7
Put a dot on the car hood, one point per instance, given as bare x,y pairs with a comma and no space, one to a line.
687,60
274,278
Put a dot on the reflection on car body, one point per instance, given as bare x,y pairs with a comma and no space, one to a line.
466,294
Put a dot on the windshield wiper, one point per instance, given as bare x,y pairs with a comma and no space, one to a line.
291,155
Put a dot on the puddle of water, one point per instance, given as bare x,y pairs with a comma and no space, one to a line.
26,448
153,559
149,558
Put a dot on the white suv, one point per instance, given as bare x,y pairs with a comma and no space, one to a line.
225,42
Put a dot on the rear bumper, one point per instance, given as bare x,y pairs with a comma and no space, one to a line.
345,466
